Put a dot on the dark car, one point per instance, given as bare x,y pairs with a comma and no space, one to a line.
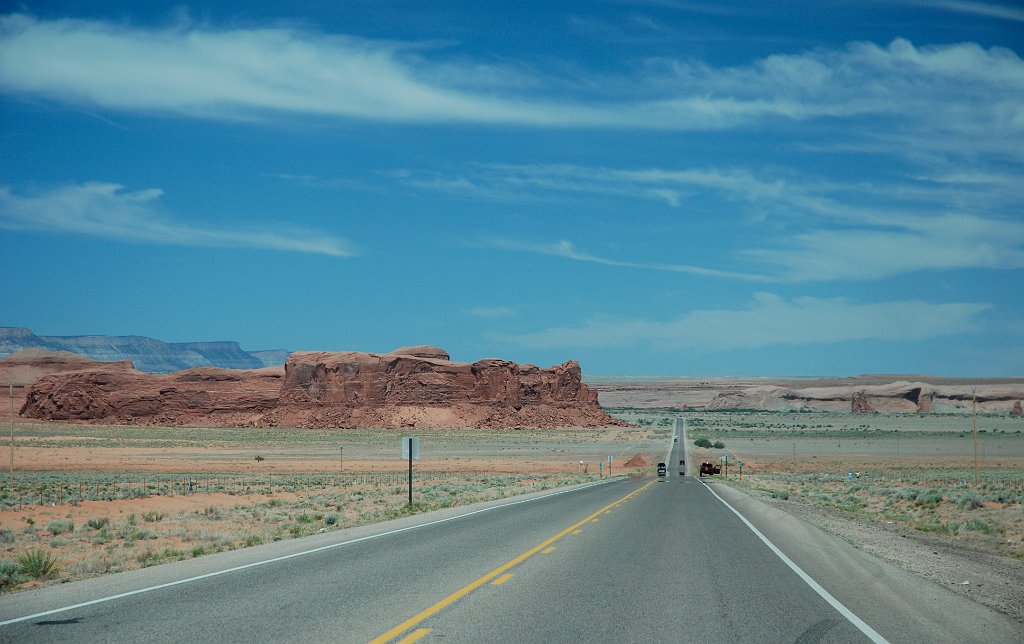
662,470
707,468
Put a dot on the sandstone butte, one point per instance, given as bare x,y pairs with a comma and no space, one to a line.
409,387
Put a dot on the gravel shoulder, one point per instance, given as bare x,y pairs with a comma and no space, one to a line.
971,569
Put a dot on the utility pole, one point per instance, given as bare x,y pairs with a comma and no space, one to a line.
974,417
10,391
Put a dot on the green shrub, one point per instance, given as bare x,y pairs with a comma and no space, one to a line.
969,501
719,445
38,563
930,499
781,494
97,524
702,442
6,535
10,574
331,519
60,526
977,525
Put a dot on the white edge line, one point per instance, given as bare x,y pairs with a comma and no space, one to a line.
293,555
871,633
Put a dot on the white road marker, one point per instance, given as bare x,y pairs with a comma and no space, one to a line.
291,556
861,625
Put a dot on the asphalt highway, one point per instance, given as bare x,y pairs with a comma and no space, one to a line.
651,560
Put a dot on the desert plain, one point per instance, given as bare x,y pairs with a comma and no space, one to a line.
90,499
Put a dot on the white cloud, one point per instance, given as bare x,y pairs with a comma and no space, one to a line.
769,320
248,73
108,210
940,242
567,250
821,230
987,9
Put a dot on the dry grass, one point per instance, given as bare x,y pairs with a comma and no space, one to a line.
218,522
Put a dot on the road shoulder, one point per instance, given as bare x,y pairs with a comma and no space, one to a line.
899,604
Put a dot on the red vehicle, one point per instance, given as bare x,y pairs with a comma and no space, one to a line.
710,469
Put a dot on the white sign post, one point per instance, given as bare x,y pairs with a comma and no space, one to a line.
410,450
610,459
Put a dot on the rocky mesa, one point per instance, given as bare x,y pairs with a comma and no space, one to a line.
869,393
408,387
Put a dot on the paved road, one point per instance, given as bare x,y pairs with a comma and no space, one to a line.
630,560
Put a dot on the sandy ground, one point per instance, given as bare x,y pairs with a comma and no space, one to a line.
765,443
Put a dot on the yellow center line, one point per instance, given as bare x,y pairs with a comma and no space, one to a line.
470,587
548,550
577,532
413,636
500,580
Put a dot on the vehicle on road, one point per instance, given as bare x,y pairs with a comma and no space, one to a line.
709,469
662,470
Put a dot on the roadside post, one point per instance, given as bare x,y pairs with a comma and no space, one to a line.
725,460
581,467
610,459
600,470
410,450
341,459
741,469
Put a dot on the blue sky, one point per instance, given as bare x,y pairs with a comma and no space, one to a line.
649,187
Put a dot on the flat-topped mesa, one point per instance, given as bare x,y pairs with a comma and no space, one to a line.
117,394
417,389
410,387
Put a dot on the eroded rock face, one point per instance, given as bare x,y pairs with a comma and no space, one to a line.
121,395
879,393
410,387
860,403
400,389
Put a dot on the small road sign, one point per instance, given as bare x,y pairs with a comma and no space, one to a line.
413,441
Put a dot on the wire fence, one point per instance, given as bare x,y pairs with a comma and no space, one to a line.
1012,478
50,489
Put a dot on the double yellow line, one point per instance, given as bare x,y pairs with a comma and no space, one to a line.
470,587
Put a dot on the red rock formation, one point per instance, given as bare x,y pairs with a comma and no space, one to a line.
860,403
118,394
373,390
413,386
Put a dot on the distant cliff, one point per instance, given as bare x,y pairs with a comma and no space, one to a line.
147,354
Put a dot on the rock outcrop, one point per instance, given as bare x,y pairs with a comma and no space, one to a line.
860,403
1017,410
881,393
117,394
411,387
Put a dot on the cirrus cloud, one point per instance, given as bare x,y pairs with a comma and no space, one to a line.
248,73
108,210
768,320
